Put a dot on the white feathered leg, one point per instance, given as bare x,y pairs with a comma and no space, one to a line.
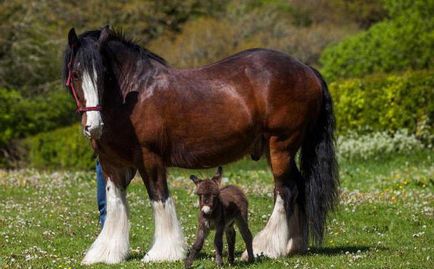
272,241
169,244
112,244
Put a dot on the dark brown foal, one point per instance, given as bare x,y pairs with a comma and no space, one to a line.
220,208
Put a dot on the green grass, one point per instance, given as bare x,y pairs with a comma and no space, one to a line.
384,220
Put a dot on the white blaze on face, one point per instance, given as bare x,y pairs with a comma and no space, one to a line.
94,122
206,209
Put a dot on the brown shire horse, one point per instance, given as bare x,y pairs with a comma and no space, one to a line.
141,114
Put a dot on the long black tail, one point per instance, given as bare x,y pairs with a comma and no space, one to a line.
319,167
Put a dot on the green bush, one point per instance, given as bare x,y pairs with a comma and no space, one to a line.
21,117
64,148
386,103
405,41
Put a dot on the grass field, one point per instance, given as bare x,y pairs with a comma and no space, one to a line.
384,220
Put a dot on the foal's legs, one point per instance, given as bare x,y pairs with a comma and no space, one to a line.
112,244
218,243
230,238
169,244
243,226
285,231
201,235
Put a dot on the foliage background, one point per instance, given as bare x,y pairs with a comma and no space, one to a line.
376,55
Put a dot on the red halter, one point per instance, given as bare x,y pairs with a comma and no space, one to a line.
70,85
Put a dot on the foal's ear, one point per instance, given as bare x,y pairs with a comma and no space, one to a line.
218,176
72,38
194,179
104,35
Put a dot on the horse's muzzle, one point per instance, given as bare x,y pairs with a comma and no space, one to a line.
93,132
93,125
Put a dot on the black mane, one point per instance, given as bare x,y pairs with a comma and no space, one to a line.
120,36
88,54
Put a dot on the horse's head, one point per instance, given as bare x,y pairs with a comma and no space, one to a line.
84,76
208,191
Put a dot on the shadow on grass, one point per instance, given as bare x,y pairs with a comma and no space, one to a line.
338,250
136,256
210,256
327,251
202,256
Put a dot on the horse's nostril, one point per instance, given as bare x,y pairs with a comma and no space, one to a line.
86,128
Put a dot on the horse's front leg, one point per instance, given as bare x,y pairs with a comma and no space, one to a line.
112,244
169,244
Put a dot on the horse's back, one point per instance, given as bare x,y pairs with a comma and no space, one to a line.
280,91
288,92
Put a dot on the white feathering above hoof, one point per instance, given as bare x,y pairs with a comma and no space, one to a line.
169,244
112,244
272,241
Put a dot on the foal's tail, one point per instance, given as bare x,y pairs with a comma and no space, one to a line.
319,167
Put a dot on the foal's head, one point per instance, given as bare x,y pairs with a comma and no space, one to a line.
84,76
208,191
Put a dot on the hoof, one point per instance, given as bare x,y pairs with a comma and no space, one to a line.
164,253
297,246
104,254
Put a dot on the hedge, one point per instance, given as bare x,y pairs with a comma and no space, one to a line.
63,148
386,103
405,41
21,117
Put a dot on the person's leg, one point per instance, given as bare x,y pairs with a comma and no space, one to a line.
100,193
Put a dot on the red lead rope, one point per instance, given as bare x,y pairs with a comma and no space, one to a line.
70,85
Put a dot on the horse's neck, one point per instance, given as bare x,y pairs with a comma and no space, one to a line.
127,77
131,72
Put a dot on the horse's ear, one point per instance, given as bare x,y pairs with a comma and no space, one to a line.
104,35
194,179
218,176
72,38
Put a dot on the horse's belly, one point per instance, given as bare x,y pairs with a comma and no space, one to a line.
215,132
211,152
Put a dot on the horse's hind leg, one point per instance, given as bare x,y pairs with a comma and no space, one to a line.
169,244
112,244
274,240
298,229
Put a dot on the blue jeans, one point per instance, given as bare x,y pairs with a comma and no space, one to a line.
100,193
